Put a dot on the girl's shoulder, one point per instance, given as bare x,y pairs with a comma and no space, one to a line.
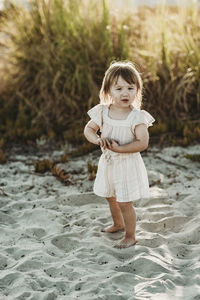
141,117
96,109
95,113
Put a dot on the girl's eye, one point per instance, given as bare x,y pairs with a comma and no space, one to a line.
118,89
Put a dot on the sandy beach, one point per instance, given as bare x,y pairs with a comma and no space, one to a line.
51,242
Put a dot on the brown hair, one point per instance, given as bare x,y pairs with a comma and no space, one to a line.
129,73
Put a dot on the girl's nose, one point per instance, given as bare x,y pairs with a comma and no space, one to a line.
124,93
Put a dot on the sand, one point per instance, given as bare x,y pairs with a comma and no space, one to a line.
51,242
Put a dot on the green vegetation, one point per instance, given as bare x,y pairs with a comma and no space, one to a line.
193,157
42,166
92,170
56,52
2,157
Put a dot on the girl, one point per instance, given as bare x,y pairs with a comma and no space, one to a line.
121,175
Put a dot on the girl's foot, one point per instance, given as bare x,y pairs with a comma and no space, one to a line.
125,243
113,229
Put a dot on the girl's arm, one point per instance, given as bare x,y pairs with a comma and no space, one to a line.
139,144
90,132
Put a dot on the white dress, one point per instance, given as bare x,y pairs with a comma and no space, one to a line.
122,175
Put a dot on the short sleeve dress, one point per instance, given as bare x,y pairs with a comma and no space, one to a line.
120,175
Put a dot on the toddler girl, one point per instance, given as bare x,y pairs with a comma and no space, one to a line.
121,176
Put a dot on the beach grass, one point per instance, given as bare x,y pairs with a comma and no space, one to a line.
55,54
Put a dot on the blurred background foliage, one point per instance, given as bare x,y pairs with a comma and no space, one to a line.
55,52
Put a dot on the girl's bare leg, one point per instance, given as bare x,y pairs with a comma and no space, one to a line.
129,216
116,215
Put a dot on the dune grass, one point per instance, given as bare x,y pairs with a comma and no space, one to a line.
56,52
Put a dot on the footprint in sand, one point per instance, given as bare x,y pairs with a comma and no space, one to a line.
65,243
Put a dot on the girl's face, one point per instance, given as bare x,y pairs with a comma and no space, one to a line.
122,93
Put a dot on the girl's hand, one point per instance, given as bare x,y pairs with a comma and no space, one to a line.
104,143
114,146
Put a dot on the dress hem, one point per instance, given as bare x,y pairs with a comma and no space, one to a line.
109,196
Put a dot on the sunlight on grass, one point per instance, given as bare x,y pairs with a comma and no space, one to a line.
56,52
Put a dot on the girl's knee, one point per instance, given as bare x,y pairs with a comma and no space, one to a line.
125,205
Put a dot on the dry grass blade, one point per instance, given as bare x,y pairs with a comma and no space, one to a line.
45,165
61,174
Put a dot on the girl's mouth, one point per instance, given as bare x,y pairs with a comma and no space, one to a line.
125,100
